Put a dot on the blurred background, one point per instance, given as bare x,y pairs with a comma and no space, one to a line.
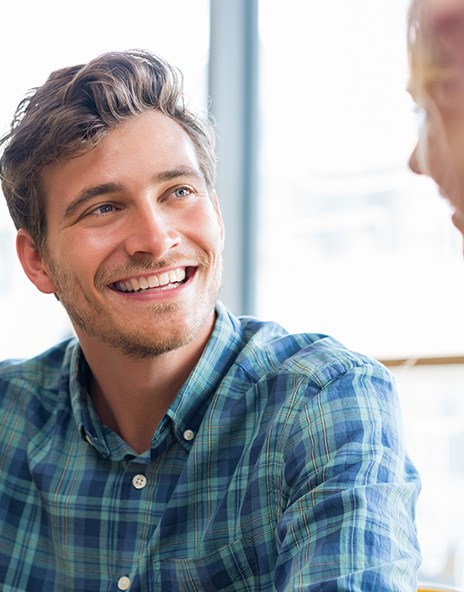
327,230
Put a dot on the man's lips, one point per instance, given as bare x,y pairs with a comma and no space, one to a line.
161,280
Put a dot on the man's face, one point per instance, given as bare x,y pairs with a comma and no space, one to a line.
440,149
134,243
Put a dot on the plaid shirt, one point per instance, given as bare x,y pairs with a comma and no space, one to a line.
279,466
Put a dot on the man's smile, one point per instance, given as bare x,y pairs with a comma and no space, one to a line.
162,280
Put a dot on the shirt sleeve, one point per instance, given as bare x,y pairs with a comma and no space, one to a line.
349,519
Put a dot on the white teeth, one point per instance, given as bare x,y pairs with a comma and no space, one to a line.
177,275
153,281
135,284
163,279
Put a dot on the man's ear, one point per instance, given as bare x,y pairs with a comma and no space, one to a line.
33,263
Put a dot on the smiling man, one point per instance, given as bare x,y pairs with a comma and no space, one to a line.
170,445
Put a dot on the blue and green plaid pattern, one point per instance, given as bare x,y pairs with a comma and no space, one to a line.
280,466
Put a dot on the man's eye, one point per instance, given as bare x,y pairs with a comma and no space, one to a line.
182,192
103,209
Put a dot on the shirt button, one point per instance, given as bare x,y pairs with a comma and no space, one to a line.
124,583
139,482
189,435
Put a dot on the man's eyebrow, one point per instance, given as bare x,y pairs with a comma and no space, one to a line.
87,194
175,173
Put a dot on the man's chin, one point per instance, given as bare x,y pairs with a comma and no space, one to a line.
150,343
145,351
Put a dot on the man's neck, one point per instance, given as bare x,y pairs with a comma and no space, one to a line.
132,395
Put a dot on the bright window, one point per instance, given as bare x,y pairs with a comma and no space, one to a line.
353,244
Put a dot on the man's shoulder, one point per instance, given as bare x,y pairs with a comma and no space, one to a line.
297,376
40,373
319,357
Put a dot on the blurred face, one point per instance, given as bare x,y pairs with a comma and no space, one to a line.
134,244
437,77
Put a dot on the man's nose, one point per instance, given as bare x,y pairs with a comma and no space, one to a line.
413,163
151,232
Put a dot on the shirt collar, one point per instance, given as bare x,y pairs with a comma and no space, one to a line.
224,345
187,410
85,416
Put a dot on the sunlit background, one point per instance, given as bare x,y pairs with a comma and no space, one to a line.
340,237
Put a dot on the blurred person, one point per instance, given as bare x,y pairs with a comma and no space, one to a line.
171,445
436,83
436,62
